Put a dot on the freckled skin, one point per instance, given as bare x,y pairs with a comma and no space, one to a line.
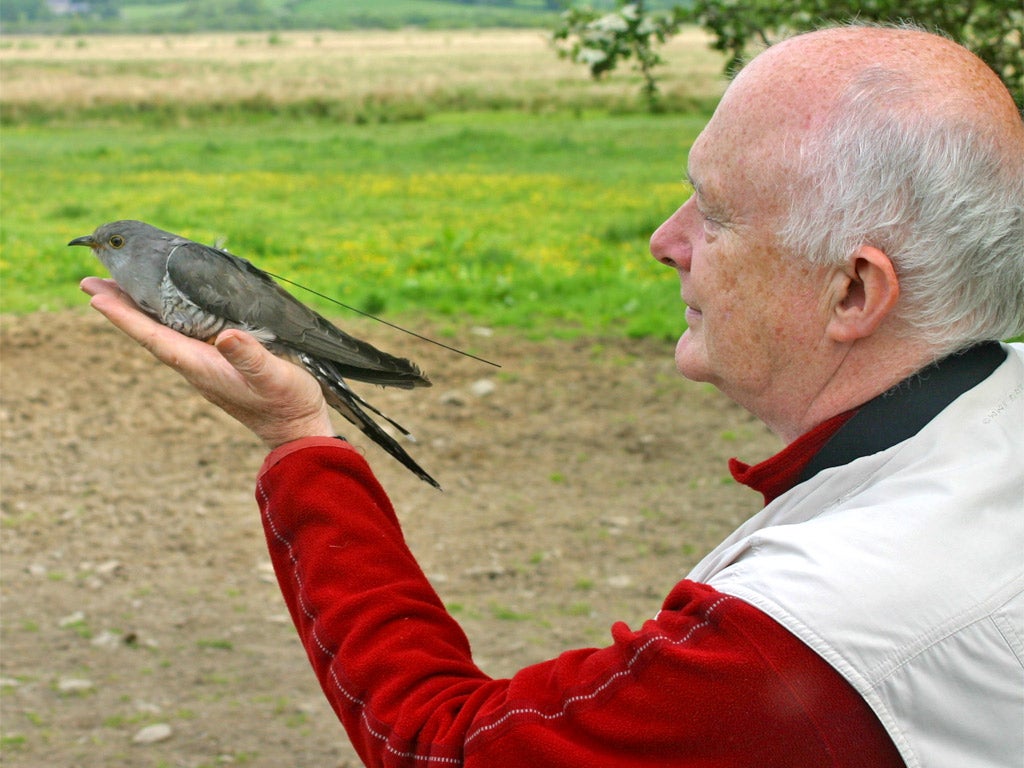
752,298
784,339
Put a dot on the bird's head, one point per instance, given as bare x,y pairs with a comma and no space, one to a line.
117,236
135,253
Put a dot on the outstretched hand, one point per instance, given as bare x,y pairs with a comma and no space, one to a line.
276,400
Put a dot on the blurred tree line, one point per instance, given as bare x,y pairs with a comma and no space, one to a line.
993,29
184,16
41,10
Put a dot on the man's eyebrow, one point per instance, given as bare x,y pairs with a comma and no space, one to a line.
711,206
699,190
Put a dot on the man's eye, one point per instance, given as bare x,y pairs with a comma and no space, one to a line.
711,226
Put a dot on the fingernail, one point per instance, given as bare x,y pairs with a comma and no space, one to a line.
228,344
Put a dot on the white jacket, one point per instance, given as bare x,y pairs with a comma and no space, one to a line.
904,569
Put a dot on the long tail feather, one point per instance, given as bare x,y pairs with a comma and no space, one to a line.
350,405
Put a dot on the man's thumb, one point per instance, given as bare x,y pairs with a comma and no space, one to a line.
241,350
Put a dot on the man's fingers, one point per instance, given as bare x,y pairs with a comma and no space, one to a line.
244,353
123,315
112,302
180,352
95,285
278,401
130,320
92,285
167,345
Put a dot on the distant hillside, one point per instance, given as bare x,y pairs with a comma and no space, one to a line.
182,16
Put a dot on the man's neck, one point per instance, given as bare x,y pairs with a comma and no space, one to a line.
859,375
889,418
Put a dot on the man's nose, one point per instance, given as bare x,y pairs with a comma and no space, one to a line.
670,243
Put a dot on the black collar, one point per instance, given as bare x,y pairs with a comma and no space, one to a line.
903,411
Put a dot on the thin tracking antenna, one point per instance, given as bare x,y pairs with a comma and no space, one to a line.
385,322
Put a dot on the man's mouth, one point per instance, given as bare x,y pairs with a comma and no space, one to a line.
693,312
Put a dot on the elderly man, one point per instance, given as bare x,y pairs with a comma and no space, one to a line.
852,251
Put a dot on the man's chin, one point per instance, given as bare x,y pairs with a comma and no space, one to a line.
691,361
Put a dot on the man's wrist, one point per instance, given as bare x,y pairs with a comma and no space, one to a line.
316,428
297,446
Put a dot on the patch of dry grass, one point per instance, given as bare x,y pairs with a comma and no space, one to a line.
439,69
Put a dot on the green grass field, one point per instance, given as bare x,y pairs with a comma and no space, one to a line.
464,175
499,218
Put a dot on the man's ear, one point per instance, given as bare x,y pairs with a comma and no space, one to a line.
866,290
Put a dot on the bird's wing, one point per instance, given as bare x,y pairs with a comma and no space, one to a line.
231,287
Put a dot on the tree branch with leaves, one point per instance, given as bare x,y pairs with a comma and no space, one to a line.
993,29
600,40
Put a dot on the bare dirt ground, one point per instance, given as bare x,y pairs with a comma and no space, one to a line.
136,590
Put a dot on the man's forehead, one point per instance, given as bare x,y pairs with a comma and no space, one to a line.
692,177
713,160
737,175
695,170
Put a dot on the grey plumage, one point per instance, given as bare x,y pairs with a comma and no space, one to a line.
200,291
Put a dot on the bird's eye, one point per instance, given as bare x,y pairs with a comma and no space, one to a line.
116,241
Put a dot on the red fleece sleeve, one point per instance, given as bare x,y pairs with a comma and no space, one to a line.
710,682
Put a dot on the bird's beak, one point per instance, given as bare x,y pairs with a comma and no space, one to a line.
85,240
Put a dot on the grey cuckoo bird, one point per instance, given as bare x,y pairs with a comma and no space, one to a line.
200,291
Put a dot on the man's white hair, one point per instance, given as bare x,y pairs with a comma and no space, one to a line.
934,192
